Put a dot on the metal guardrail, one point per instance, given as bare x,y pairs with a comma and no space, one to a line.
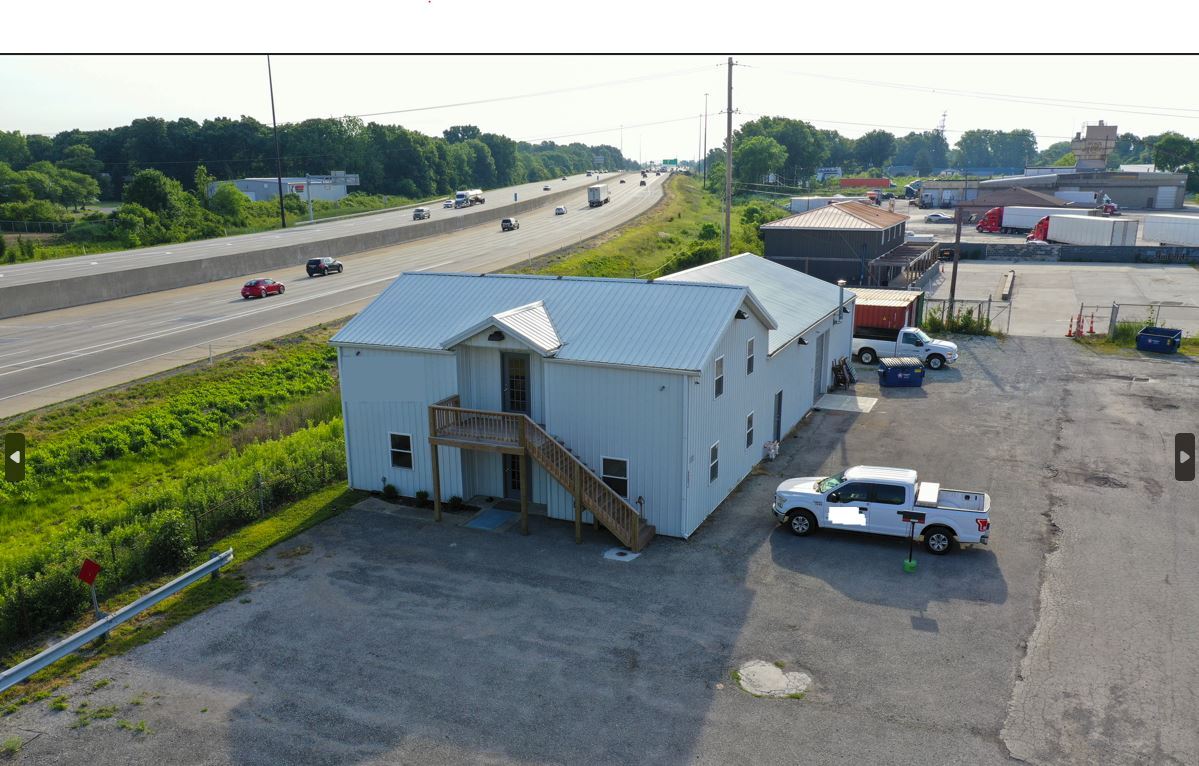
19,673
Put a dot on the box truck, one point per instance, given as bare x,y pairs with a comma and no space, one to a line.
1084,230
597,195
1015,220
1181,230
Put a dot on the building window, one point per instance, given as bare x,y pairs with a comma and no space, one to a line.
749,430
714,462
718,384
615,473
401,450
749,357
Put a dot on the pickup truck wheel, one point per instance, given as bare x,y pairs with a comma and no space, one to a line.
801,523
935,362
866,356
938,540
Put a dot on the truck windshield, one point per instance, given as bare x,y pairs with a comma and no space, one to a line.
919,333
825,485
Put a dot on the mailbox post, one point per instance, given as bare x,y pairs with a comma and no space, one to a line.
911,518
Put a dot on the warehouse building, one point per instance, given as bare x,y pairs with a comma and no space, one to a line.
1136,191
834,242
332,187
638,404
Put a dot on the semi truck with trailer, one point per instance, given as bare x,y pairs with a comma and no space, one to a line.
1084,230
1015,220
597,195
469,197
1177,230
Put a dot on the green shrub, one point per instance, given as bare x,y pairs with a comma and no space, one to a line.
455,503
422,497
170,541
156,534
390,492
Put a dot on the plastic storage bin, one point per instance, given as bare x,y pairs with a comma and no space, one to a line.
1162,340
900,371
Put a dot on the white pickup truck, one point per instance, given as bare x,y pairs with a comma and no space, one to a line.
870,343
871,499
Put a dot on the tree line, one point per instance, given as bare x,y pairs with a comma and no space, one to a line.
388,159
793,150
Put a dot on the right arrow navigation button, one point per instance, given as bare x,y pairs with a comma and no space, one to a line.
1184,457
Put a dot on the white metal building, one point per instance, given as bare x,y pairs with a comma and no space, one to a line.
644,403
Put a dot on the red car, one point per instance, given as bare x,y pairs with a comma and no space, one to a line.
260,288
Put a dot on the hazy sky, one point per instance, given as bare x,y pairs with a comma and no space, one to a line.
658,99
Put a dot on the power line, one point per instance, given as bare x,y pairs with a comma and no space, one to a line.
555,91
606,130
1015,98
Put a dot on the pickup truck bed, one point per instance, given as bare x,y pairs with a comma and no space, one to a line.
930,495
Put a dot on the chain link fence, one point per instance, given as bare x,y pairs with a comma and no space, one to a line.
996,314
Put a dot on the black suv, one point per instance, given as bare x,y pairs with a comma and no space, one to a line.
323,266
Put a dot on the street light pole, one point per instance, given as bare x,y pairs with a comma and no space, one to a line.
278,159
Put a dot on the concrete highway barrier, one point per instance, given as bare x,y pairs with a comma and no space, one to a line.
30,298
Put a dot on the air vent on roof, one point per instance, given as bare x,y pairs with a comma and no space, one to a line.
497,335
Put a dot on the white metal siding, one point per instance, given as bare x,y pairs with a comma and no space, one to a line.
1165,198
386,392
723,420
790,370
481,379
621,413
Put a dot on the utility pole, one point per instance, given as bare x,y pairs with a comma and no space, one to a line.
957,254
728,165
278,159
705,154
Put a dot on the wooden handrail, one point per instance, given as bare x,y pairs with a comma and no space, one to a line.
449,421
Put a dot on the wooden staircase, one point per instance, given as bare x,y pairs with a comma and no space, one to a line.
515,433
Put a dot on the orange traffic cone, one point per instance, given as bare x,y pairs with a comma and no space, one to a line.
1091,329
1070,328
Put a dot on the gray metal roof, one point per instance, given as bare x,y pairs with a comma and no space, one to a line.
796,301
671,326
531,324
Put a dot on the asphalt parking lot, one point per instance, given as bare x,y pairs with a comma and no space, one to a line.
1071,639
1046,295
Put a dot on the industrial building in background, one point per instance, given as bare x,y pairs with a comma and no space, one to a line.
1137,188
331,187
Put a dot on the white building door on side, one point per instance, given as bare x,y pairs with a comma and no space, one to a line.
848,507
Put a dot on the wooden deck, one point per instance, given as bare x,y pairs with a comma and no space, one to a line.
516,434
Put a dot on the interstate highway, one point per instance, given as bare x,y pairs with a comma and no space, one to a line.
56,355
64,268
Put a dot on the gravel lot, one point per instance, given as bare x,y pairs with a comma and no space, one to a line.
396,640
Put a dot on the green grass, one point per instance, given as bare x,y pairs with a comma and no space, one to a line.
11,747
246,543
261,394
658,242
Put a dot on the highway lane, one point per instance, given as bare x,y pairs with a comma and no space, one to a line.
61,268
55,355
